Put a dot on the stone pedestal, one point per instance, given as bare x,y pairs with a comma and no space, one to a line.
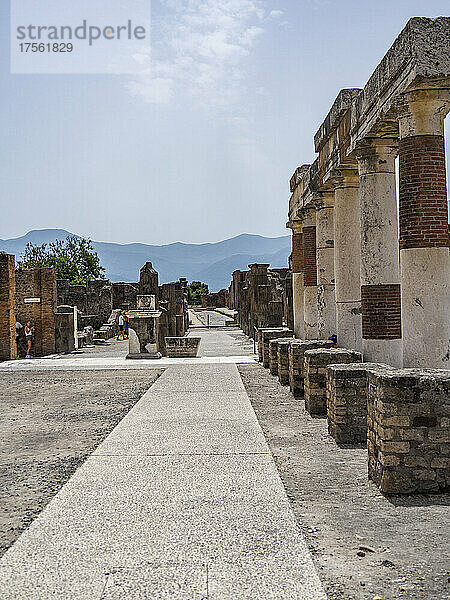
380,267
424,239
271,334
273,355
283,361
408,430
297,349
315,369
144,329
347,388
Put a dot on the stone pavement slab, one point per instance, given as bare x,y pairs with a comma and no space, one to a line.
204,517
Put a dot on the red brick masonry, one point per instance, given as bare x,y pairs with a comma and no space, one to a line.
309,256
423,194
381,311
297,252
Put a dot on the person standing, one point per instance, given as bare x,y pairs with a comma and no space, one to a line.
126,325
120,326
29,337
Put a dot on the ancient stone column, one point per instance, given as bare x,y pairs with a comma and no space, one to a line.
380,268
347,258
310,273
298,289
326,299
424,239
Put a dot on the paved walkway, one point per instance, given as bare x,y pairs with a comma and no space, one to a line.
182,501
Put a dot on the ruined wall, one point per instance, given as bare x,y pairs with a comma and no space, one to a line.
37,284
7,314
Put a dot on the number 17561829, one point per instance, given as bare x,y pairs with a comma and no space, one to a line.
49,47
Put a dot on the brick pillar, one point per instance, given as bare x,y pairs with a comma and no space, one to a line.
380,268
424,240
7,313
298,288
347,258
310,273
326,299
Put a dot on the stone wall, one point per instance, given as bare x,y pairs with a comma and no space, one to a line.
37,284
64,333
7,313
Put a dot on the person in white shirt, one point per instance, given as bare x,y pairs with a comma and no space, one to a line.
120,326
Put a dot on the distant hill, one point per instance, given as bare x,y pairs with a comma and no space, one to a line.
212,263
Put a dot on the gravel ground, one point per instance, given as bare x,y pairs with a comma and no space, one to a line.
366,546
51,421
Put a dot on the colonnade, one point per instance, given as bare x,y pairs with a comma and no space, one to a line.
369,267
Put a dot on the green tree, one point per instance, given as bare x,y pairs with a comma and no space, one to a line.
74,259
195,291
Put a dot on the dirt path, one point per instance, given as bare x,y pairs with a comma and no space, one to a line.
365,545
50,422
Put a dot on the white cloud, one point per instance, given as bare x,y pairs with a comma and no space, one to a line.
199,50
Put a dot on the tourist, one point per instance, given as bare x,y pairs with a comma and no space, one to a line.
19,328
29,337
126,325
121,321
333,338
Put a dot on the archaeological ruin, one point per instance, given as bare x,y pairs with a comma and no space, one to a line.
370,273
66,316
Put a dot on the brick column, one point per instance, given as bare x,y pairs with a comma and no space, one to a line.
380,268
298,289
326,299
7,313
424,240
347,258
310,273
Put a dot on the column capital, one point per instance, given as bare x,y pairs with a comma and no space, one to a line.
376,155
296,225
346,178
423,111
307,214
323,199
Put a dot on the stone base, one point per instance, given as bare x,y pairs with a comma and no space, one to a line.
145,355
273,355
271,334
316,363
408,430
297,351
347,388
283,361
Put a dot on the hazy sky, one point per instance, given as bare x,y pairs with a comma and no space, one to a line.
203,147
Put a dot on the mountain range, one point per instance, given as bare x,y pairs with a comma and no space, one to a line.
212,263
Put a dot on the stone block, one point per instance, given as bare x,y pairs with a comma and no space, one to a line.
407,430
273,355
182,347
347,387
297,351
271,334
316,362
283,360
